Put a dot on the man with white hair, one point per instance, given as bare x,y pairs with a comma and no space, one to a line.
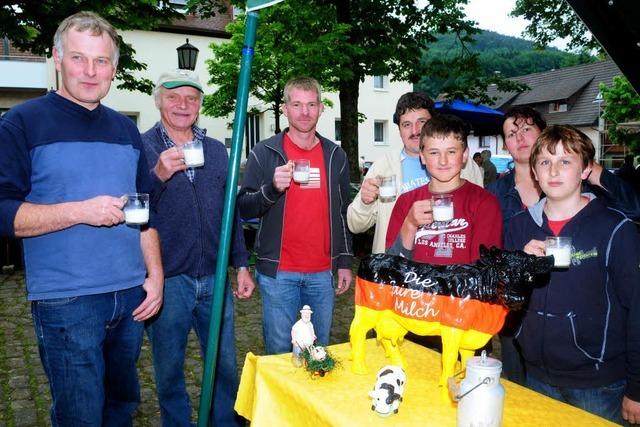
66,160
189,204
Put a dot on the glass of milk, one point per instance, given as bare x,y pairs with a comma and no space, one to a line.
388,188
560,248
301,169
193,154
136,209
442,205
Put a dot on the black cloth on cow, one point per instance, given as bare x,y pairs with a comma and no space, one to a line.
498,277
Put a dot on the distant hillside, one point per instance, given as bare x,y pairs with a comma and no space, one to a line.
508,55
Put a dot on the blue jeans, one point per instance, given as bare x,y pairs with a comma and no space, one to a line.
187,304
89,346
282,299
603,401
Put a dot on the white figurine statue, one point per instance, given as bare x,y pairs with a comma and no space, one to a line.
302,334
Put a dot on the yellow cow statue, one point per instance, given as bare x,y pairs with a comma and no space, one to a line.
464,304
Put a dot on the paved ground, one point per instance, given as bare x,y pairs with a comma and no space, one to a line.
24,392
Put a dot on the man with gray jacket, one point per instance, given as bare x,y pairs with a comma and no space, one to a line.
303,237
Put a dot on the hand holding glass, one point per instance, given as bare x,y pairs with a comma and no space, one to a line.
387,188
442,205
560,248
193,154
136,208
301,168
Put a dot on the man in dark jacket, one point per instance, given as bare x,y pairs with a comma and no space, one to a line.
189,203
303,237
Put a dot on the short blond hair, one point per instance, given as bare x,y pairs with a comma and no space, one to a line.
303,83
95,24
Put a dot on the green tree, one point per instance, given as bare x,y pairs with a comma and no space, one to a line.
622,104
372,37
294,38
388,37
553,19
31,25
508,56
346,40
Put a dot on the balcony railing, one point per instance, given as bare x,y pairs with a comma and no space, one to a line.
23,72
23,58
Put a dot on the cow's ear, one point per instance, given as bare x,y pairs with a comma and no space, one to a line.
485,254
372,395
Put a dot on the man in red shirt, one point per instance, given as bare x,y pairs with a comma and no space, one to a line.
303,237
476,218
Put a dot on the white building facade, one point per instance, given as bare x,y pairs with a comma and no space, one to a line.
157,49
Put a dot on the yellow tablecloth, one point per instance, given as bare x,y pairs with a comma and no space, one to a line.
275,393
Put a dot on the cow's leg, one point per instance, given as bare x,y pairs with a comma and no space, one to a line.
472,340
451,338
362,322
465,354
393,352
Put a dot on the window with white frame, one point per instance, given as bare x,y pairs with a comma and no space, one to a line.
557,107
380,132
380,82
337,130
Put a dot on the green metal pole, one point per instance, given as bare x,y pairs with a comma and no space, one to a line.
242,97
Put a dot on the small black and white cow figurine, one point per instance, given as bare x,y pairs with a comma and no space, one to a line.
388,391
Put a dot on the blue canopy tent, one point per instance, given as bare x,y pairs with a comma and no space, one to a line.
483,120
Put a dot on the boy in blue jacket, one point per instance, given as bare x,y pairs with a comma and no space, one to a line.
580,336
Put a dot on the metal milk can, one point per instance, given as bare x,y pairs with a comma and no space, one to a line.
481,396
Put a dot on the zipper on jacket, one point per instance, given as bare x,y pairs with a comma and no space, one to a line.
284,207
329,187
200,221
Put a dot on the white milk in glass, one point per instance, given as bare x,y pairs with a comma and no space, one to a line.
301,177
442,213
136,216
193,155
561,256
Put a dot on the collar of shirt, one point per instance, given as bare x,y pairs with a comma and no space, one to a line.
198,135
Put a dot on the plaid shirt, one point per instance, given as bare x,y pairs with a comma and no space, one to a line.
198,136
